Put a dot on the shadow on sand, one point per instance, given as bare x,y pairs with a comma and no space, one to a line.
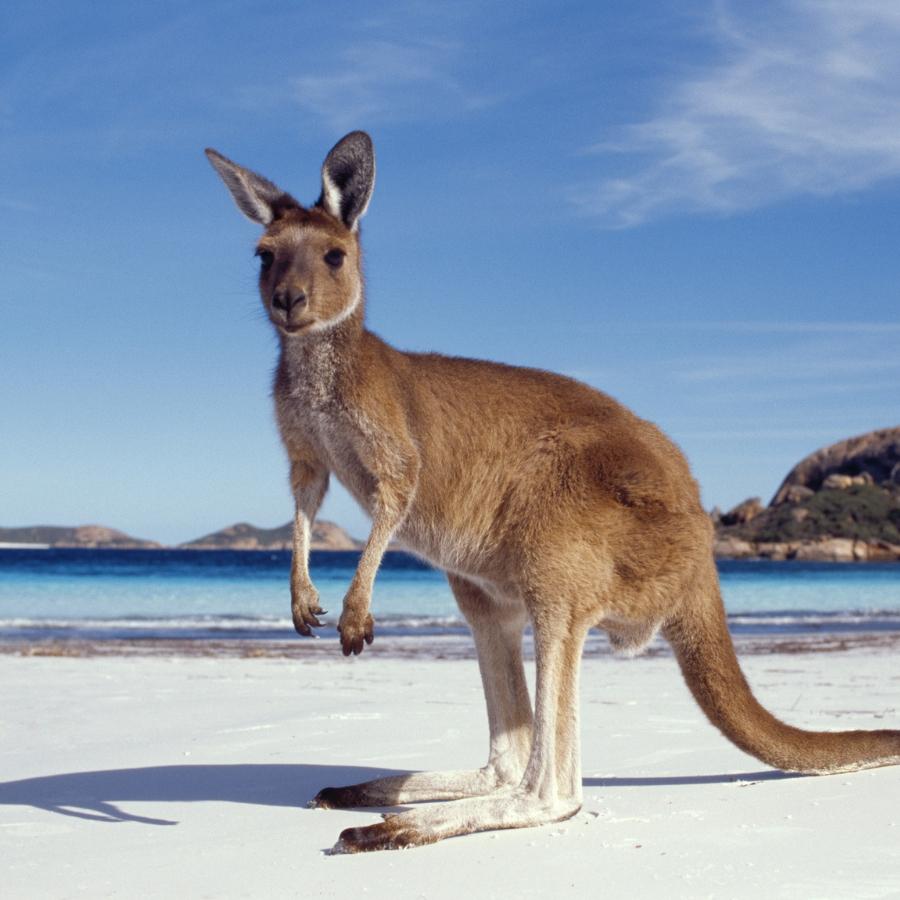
676,780
93,795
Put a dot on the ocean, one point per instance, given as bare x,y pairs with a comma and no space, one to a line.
98,595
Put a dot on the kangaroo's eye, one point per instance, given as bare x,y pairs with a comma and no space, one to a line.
335,258
266,258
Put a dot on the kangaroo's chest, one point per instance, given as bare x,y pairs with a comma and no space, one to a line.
311,421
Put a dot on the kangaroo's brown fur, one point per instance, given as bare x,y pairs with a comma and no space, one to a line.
544,500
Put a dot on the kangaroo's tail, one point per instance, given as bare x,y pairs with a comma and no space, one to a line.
699,635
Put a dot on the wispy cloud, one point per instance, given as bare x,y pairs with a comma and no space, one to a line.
724,326
772,327
778,369
863,390
766,435
814,358
378,80
805,100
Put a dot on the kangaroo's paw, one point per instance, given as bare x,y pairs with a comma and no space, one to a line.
338,798
390,834
428,824
416,787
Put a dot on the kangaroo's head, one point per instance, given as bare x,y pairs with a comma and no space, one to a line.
310,274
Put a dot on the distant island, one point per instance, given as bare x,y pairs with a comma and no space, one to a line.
839,504
242,536
89,536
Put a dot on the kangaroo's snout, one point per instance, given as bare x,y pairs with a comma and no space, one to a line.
287,299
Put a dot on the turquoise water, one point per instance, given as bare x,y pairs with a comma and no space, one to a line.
116,593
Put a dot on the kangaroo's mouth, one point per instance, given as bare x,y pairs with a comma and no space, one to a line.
294,327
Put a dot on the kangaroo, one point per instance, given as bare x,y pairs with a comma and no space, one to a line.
545,501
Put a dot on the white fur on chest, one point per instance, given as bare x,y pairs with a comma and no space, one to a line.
311,416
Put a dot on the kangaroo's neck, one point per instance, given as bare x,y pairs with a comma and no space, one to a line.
321,364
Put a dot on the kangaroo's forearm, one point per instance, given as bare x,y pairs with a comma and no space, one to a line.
383,527
393,498
356,624
309,484
300,544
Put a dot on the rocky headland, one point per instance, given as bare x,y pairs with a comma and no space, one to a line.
243,536
87,536
839,504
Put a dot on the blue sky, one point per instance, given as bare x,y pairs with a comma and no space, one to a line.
692,206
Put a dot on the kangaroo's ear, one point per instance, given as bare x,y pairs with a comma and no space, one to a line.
348,176
257,198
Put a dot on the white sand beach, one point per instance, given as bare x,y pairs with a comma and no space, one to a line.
188,777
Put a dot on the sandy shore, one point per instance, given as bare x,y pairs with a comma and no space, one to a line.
186,775
439,647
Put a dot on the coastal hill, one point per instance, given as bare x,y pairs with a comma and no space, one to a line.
873,457
841,503
89,536
325,536
242,536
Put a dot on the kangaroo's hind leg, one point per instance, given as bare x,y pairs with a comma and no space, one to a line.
550,789
497,629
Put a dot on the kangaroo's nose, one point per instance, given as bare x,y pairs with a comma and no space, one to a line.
288,299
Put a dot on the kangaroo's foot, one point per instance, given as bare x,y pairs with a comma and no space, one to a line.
417,787
429,824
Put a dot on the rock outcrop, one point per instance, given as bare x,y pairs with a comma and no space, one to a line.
823,550
243,536
841,504
876,455
743,512
88,536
